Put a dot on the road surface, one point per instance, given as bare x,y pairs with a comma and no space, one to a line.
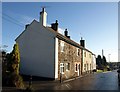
97,81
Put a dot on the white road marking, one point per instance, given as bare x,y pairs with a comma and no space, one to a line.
68,86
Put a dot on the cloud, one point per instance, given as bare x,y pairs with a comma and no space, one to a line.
60,30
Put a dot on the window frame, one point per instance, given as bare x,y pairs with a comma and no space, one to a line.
84,67
62,46
76,67
78,52
62,68
67,66
85,54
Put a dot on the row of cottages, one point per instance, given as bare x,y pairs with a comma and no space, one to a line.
45,52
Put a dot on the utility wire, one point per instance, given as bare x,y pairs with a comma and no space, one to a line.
12,22
11,18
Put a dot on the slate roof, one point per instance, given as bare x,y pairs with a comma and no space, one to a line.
68,40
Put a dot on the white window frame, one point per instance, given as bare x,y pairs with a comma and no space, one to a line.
67,66
62,46
62,68
78,52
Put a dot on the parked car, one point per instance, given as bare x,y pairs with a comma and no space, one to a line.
94,70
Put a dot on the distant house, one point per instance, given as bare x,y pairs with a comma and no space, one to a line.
46,53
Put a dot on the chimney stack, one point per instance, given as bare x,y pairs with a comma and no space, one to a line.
26,26
66,33
82,42
54,26
43,17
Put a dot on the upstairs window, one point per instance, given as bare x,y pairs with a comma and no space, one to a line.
89,55
78,52
62,46
85,54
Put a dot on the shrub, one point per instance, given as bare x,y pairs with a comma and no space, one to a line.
16,80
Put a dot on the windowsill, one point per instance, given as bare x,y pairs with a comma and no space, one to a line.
67,70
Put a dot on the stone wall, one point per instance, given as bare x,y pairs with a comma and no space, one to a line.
68,53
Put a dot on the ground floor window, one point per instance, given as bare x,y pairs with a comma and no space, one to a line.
90,67
67,66
76,68
85,67
62,68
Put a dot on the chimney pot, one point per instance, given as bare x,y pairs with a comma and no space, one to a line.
66,32
82,42
26,26
43,17
54,26
56,21
43,9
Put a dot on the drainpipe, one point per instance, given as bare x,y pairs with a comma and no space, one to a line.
60,77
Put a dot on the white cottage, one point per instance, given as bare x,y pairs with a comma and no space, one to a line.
38,46
41,52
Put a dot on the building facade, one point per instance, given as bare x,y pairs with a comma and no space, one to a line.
45,52
69,60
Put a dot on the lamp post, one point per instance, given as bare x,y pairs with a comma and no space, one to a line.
30,82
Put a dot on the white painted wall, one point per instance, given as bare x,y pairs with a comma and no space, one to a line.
87,60
43,18
94,61
83,62
56,58
37,52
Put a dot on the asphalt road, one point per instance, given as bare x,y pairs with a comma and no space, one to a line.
98,81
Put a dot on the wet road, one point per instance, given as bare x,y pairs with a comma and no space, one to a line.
98,81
